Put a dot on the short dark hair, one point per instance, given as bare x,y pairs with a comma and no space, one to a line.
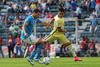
36,10
61,9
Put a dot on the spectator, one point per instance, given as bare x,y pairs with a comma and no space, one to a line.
92,48
83,5
25,6
20,9
13,8
18,47
92,6
73,4
83,46
91,45
62,3
44,6
1,51
28,11
97,8
88,4
79,15
11,44
68,5
78,11
50,15
14,29
33,5
98,49
93,20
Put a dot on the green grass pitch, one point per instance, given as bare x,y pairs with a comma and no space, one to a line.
55,62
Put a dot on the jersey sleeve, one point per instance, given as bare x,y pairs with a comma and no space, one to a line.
27,20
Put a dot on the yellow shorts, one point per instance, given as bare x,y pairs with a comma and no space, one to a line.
57,36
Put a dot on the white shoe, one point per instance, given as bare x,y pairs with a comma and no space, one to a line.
30,61
39,61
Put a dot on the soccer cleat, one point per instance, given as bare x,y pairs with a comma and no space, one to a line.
39,61
30,61
77,58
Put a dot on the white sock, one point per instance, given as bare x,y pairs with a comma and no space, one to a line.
72,50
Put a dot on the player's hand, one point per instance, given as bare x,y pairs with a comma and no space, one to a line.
26,34
49,25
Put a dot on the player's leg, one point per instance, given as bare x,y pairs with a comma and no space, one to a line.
28,43
49,40
38,53
30,58
26,51
35,55
16,51
64,41
20,50
38,48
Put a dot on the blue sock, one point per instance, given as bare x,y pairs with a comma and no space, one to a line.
38,53
31,57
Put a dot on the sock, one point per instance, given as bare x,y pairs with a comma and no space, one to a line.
38,52
31,57
72,50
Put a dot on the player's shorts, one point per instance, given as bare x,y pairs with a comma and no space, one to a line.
57,36
31,39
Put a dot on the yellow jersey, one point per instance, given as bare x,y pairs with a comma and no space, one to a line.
58,22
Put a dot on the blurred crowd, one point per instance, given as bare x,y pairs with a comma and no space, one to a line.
17,10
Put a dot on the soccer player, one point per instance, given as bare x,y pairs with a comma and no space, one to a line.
26,33
58,33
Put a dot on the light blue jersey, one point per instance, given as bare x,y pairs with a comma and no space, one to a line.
31,21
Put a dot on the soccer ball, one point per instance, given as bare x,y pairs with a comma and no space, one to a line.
46,60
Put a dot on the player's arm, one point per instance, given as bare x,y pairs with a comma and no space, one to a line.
52,21
24,26
26,23
46,24
60,30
